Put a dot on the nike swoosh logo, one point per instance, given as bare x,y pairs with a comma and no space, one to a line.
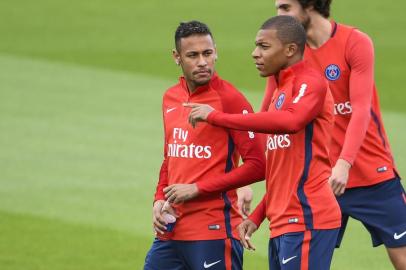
287,260
171,109
205,265
398,236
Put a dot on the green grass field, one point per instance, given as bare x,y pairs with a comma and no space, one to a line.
80,128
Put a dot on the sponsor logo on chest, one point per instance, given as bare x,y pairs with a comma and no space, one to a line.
278,141
179,148
342,108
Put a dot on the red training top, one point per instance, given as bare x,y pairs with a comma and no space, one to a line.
299,122
347,61
208,156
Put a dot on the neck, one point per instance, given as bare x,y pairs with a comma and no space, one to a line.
318,31
295,59
191,87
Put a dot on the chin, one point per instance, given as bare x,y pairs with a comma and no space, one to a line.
203,82
264,74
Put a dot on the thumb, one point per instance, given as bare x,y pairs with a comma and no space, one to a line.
240,202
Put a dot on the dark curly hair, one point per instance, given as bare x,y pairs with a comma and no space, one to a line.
186,29
321,6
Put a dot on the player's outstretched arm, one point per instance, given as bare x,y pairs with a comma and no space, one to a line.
250,148
306,105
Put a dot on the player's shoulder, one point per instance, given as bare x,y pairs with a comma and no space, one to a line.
309,77
227,90
172,90
353,32
231,98
309,74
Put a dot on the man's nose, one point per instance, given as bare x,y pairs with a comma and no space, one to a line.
202,61
255,53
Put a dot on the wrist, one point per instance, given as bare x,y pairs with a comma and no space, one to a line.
211,115
343,164
196,187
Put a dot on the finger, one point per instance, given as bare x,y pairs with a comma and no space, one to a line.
159,227
160,219
341,190
247,208
159,230
250,245
168,188
243,240
330,180
337,189
240,204
171,198
333,184
169,194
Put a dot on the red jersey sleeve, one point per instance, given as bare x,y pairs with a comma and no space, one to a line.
269,91
259,214
249,146
163,173
305,106
360,57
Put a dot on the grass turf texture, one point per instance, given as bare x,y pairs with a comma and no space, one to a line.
81,137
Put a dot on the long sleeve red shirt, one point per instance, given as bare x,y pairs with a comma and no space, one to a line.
208,156
299,121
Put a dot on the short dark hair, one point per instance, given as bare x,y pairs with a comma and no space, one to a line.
288,30
190,28
321,6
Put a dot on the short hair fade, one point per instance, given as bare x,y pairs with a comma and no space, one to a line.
190,28
288,30
321,6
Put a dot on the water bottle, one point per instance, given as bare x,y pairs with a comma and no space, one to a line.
170,220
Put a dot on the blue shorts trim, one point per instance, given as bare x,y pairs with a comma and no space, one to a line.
312,249
382,210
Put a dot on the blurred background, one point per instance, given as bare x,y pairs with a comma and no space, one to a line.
80,122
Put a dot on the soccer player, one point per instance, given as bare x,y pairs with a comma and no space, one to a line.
205,232
364,176
299,203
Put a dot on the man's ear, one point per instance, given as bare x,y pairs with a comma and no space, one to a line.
176,56
291,49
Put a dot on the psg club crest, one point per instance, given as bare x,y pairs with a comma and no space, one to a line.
332,72
279,101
